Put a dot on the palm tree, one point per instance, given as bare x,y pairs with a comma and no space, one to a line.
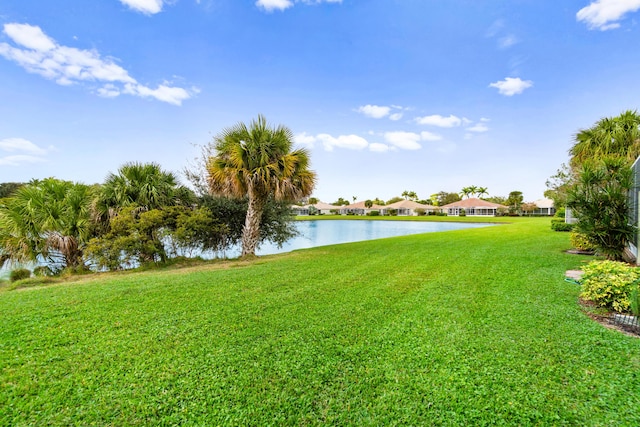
619,136
258,161
46,220
481,191
465,192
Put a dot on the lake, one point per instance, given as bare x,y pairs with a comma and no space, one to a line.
323,233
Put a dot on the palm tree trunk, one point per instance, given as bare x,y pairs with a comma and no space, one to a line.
251,229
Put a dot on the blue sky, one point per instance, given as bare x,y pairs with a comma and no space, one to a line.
388,95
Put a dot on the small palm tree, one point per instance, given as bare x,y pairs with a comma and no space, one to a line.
482,191
258,161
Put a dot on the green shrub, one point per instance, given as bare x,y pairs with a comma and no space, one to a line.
635,301
580,241
392,212
560,213
373,213
19,274
44,271
421,212
609,284
558,224
462,212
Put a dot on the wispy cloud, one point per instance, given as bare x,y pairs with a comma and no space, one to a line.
439,121
271,5
393,112
604,14
26,152
148,7
351,142
39,54
511,86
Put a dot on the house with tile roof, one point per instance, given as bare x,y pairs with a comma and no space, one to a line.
472,207
544,207
407,208
359,209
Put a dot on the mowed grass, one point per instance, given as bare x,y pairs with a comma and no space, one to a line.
472,327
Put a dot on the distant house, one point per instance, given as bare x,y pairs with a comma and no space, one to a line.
300,210
320,208
359,209
472,207
408,208
544,207
326,208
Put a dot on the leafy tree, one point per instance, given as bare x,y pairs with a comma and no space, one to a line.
378,202
46,220
445,198
528,208
341,202
368,203
514,201
558,186
599,201
258,162
497,199
313,200
394,200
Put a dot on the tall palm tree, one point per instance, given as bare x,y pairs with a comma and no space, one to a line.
258,161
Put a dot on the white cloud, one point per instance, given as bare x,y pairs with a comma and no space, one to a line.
39,54
351,142
440,121
428,136
479,128
404,140
304,139
374,111
381,111
511,86
148,7
381,148
29,152
20,160
271,5
603,14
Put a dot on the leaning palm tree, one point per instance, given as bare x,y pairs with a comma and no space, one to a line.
257,162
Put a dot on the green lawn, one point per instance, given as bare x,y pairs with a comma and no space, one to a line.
471,327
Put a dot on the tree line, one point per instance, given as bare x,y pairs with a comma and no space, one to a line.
243,186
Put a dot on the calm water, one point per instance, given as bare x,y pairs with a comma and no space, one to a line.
322,233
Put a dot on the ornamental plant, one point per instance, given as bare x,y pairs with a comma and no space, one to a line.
609,284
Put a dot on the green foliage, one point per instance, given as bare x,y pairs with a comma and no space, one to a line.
444,198
421,212
600,202
514,201
47,221
373,213
611,136
558,224
560,213
558,185
8,188
19,274
462,212
609,284
44,271
394,200
392,212
580,241
634,301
